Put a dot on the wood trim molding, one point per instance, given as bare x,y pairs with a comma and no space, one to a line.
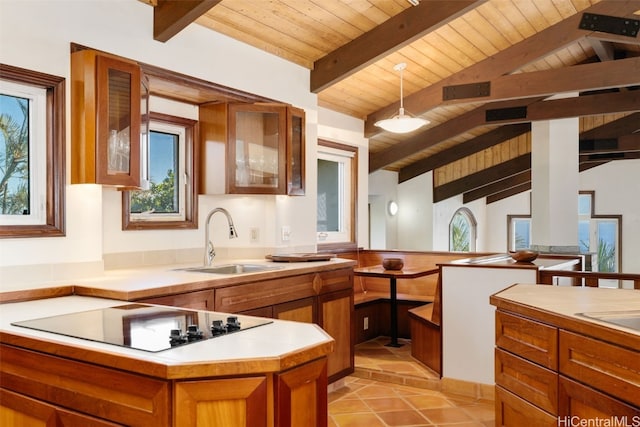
54,225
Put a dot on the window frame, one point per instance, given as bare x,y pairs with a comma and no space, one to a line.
54,218
350,243
596,218
191,170
510,235
473,227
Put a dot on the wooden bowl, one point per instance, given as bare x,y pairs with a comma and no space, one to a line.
392,263
524,255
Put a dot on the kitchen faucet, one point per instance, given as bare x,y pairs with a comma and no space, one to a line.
209,252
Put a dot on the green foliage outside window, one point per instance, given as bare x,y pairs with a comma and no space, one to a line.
159,198
460,233
14,157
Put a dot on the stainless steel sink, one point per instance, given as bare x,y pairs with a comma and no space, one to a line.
627,318
232,268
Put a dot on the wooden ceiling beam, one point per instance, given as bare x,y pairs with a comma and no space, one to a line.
622,126
628,148
579,78
467,148
497,186
603,49
172,16
539,110
395,33
507,61
509,192
481,178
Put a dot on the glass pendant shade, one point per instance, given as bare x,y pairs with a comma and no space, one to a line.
401,122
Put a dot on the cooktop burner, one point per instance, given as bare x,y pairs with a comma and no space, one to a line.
143,326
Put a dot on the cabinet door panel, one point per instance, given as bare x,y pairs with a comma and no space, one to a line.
336,312
301,396
234,402
256,149
297,311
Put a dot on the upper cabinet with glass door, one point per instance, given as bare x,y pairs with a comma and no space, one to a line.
108,97
265,149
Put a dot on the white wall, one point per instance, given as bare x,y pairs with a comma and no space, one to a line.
36,35
616,185
383,226
414,197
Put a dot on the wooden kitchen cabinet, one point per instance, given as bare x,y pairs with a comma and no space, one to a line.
262,144
545,373
109,109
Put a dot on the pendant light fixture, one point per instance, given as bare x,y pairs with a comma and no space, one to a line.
401,122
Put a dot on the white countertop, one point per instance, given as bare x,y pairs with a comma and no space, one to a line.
142,282
274,340
569,301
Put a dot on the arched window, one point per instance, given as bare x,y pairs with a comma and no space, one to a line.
462,231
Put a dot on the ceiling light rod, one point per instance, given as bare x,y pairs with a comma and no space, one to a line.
414,2
401,122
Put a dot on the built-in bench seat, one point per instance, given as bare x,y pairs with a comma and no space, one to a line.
419,304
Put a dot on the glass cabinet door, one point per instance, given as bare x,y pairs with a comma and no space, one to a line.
118,122
256,150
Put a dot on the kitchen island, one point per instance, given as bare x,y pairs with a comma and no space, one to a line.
271,375
318,292
567,354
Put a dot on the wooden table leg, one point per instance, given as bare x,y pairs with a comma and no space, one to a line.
393,291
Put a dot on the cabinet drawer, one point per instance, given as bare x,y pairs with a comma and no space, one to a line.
264,293
607,367
532,340
577,400
527,380
512,411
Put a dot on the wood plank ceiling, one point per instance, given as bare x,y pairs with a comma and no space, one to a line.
524,51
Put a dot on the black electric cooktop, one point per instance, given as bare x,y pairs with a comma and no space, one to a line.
143,326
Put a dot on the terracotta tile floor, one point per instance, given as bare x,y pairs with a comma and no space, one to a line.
391,389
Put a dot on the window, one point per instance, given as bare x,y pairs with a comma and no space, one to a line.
170,200
462,231
599,234
519,232
32,149
337,184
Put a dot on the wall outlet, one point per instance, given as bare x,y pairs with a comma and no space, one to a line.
366,323
286,233
254,235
